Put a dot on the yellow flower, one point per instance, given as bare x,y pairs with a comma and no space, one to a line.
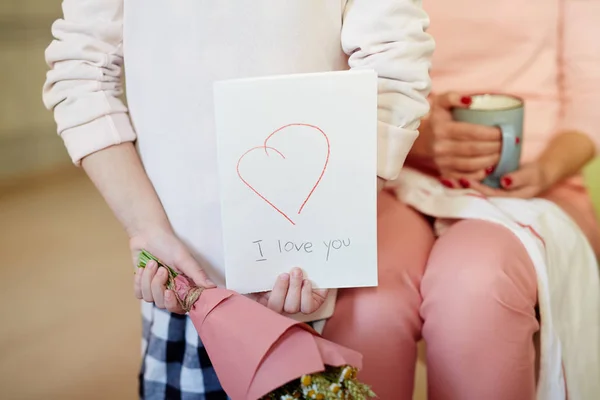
320,396
346,374
335,388
311,392
306,380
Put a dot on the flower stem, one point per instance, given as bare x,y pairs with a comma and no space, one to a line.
145,257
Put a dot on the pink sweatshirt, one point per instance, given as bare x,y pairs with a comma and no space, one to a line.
546,51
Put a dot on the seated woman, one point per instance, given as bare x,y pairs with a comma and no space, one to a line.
473,291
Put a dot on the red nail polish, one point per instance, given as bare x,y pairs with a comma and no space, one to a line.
507,181
464,183
466,100
517,140
489,170
447,183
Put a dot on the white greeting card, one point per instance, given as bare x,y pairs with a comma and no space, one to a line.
297,165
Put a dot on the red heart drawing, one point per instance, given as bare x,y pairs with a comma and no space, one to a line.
265,147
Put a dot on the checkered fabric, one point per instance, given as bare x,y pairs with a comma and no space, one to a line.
175,364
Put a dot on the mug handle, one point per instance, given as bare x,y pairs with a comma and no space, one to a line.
509,144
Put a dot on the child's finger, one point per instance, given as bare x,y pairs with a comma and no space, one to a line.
321,294
293,297
149,272
158,287
190,267
380,184
309,303
137,283
171,303
277,296
261,298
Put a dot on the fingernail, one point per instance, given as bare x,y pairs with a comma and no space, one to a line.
307,283
446,183
517,140
297,273
210,283
507,181
151,264
489,170
168,295
284,277
464,183
466,100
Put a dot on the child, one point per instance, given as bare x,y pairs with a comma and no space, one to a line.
165,191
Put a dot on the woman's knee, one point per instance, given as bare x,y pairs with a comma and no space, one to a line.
404,242
478,264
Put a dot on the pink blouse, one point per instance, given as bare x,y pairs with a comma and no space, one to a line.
545,51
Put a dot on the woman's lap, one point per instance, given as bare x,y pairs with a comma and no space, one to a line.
383,323
479,295
443,282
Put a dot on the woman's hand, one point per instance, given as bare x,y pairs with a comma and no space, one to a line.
529,181
566,154
292,294
460,151
150,282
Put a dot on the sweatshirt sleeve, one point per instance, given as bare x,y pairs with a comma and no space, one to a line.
389,36
84,83
580,68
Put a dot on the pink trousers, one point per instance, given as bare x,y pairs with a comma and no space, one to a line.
470,294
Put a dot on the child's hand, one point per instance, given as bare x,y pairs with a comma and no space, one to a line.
150,285
380,184
292,294
150,282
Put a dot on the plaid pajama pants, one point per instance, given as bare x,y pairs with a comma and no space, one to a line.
175,365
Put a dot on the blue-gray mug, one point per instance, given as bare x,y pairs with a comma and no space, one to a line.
506,112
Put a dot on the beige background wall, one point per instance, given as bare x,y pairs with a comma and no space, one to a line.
28,140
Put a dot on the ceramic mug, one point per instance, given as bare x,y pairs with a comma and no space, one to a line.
506,112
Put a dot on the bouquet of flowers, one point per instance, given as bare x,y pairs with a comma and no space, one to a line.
259,354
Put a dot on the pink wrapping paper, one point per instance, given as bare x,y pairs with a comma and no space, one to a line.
255,350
